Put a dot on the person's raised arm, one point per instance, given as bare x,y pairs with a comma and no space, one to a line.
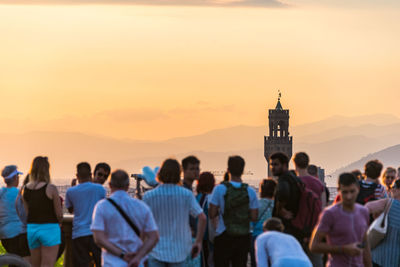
367,253
376,207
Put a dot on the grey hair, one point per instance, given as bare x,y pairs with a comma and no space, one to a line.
119,179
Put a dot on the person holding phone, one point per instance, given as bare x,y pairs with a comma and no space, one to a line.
342,228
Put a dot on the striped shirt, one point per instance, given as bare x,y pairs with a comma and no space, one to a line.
387,253
380,191
171,206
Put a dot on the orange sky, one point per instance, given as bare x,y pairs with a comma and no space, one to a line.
152,72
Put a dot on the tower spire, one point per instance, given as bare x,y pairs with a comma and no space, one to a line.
279,105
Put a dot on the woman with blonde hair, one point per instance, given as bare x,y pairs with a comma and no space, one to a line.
389,176
44,214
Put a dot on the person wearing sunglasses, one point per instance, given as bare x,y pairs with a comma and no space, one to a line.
101,173
388,178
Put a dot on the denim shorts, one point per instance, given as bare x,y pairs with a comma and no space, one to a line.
291,262
46,234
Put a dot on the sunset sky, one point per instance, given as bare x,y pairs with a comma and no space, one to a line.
166,70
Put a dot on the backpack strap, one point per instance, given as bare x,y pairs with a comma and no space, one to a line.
268,207
228,185
127,219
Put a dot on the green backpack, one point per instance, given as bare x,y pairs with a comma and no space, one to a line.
236,211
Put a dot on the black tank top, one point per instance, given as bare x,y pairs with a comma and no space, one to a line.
40,206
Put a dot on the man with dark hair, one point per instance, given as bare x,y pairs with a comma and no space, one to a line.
123,226
357,173
287,194
278,249
191,171
101,173
80,200
235,204
341,231
313,170
12,232
301,162
371,188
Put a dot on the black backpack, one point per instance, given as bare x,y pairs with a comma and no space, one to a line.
367,192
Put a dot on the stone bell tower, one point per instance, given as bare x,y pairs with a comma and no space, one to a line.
278,139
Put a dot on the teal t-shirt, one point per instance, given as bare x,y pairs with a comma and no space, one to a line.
10,224
264,213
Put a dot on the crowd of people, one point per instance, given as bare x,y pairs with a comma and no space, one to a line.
189,219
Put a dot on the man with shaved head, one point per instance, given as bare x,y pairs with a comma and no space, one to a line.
123,226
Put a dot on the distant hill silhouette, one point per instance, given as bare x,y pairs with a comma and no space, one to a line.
331,143
389,157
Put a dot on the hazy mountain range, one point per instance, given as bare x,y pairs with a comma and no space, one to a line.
331,143
389,156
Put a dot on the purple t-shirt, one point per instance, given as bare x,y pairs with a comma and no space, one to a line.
344,228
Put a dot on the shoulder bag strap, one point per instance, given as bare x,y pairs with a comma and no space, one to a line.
127,219
386,211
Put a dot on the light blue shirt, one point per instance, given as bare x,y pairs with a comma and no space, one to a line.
218,199
10,224
82,198
171,206
273,246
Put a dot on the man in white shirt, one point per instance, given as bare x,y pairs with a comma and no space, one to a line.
119,241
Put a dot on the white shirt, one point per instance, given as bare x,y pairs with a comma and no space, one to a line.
171,206
275,245
107,218
218,199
